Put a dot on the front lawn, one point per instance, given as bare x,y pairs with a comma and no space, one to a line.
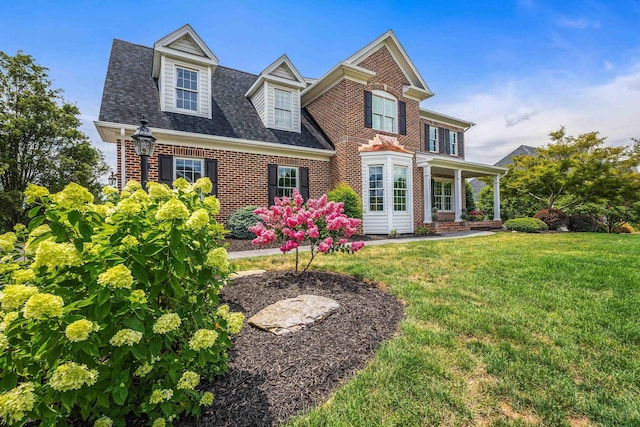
511,329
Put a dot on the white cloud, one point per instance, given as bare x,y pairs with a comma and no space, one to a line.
578,23
525,111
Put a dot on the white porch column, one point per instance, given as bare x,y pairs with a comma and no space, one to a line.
458,194
496,198
426,177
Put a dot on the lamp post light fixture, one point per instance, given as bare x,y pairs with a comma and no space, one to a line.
143,143
113,179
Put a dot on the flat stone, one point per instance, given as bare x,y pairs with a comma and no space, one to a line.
246,273
290,315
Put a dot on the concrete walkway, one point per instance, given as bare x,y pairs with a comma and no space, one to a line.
443,236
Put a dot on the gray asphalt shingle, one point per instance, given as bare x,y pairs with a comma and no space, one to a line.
130,92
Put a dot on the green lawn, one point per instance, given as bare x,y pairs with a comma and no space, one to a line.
506,330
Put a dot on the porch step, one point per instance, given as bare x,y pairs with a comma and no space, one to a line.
449,227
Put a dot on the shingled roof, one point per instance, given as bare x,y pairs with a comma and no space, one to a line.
130,92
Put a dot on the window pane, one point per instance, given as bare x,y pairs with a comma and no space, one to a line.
376,121
376,190
377,105
189,169
388,124
389,108
399,189
287,180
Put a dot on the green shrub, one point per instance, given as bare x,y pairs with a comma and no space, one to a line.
582,223
554,218
526,225
422,231
345,194
240,220
113,309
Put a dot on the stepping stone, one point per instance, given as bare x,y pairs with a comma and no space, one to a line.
246,273
293,314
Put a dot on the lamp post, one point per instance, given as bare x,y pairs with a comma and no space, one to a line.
113,179
143,143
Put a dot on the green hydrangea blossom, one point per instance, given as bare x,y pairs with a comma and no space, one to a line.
73,196
143,370
4,342
39,306
79,330
72,376
128,206
15,403
108,190
206,399
203,185
159,422
8,241
125,337
198,219
13,296
172,209
182,184
118,277
138,296
160,395
129,241
23,276
8,318
212,203
218,259
56,255
167,323
188,381
103,422
203,339
132,186
159,191
34,192
234,322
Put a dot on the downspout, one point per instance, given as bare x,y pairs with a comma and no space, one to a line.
123,159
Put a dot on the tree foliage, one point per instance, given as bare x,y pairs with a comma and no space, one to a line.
470,204
572,171
40,140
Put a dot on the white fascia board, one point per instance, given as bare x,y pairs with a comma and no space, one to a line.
445,119
415,93
180,32
266,75
334,76
423,159
110,132
273,79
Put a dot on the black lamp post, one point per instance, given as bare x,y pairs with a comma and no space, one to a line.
143,143
113,179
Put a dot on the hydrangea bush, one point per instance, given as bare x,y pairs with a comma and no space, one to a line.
109,310
322,223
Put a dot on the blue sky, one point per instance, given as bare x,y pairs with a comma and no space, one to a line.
519,69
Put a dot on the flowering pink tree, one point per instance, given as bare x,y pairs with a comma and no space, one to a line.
292,221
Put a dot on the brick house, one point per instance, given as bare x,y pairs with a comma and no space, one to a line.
261,136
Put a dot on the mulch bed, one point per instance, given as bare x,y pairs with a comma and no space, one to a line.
234,245
271,377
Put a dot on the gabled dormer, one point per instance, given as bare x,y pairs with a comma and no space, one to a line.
276,95
183,65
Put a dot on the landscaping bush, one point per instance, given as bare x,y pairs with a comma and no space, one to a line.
526,225
582,223
113,309
422,231
625,228
352,204
554,218
476,216
240,220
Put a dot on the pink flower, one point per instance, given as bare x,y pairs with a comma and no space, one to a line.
323,247
291,222
328,241
313,232
356,246
344,241
299,235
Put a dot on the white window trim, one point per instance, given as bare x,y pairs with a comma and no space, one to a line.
175,169
384,182
297,187
453,194
435,148
290,110
385,95
405,189
176,88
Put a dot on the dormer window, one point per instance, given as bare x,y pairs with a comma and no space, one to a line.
384,113
186,89
283,110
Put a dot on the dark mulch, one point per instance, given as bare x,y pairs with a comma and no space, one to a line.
273,377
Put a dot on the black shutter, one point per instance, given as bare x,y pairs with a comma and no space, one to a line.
304,183
272,182
165,169
447,141
426,138
433,194
211,169
441,141
461,144
402,114
368,109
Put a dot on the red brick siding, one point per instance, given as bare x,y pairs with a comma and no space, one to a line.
242,177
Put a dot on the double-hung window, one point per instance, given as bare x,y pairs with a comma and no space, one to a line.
287,180
443,195
453,143
189,169
399,188
186,89
376,189
283,111
432,139
384,115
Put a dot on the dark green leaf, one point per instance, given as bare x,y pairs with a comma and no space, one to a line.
34,211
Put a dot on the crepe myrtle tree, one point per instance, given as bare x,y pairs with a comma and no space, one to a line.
292,221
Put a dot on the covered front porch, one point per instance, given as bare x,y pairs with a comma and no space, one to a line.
443,183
